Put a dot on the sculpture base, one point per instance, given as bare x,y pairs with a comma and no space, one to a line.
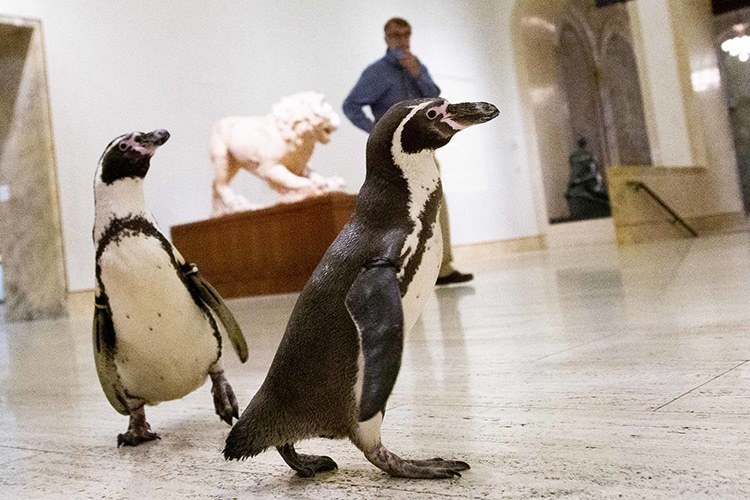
267,251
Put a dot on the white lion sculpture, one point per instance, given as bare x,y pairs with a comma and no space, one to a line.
276,148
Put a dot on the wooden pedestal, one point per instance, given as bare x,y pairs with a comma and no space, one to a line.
259,252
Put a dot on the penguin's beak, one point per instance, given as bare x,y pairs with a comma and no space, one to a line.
466,114
155,138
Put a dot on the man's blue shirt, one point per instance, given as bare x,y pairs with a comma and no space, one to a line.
382,84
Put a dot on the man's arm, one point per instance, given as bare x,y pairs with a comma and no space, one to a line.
353,110
368,89
425,84
419,74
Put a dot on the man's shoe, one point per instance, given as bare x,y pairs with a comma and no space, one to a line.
454,277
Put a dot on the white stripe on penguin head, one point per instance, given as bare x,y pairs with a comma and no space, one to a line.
421,174
419,169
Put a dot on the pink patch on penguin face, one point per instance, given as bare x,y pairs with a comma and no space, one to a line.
445,117
130,141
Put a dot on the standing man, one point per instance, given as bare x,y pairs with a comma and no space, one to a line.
399,76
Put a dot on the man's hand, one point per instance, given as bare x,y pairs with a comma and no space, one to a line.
411,63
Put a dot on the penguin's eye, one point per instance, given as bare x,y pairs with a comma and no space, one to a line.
123,146
432,114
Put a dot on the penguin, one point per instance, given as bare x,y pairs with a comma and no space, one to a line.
157,322
340,354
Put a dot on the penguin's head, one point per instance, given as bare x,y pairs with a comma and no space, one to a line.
129,155
428,124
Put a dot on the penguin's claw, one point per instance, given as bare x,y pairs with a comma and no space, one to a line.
225,402
134,437
439,463
435,468
441,468
318,463
225,414
139,430
306,465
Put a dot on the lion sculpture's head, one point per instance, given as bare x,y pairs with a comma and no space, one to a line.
305,112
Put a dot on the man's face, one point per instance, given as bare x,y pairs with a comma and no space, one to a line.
397,37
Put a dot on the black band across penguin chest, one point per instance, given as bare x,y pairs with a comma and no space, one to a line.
137,226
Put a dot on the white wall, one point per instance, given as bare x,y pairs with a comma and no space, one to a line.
116,66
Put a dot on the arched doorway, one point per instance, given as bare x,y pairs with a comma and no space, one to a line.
579,78
736,80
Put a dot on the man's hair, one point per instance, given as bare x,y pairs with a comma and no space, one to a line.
396,21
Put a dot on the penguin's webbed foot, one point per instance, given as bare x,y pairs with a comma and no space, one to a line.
139,431
435,468
224,401
439,463
306,465
136,437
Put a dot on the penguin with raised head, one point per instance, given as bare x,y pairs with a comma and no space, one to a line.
157,322
341,352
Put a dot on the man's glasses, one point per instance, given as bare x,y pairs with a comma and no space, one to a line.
402,34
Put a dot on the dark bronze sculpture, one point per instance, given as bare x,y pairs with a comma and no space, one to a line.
587,196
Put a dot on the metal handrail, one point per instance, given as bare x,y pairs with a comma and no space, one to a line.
638,185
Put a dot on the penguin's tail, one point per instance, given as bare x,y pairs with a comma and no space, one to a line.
254,432
241,445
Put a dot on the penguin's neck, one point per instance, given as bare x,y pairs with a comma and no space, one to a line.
407,180
421,173
118,200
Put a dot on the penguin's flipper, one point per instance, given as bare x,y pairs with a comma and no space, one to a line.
213,300
104,356
374,304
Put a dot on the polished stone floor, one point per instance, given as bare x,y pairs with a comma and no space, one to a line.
593,372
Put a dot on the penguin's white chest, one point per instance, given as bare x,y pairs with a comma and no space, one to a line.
164,342
423,246
423,282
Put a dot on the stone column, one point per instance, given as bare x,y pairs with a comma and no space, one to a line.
30,228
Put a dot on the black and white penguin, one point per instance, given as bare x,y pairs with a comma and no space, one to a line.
157,321
341,352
